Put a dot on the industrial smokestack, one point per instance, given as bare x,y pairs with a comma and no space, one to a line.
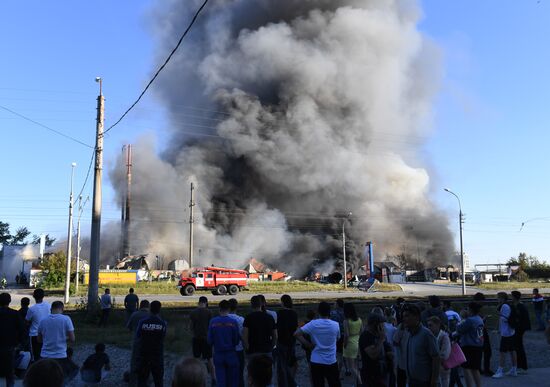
125,219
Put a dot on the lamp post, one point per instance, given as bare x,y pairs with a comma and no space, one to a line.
69,240
344,250
460,222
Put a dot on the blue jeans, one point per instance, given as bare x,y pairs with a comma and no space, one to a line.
227,367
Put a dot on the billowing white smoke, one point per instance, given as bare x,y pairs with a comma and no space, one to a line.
326,104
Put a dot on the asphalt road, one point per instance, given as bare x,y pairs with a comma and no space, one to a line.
410,290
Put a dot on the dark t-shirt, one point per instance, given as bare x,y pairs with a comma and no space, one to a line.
200,320
12,329
287,323
524,319
374,368
260,329
150,334
95,363
131,302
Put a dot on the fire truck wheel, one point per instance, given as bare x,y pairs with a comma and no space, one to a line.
221,290
188,290
233,289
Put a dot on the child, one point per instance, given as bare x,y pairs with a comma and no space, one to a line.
92,370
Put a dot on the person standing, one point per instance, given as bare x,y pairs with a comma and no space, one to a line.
324,333
131,302
376,353
337,315
150,333
470,331
507,342
538,306
200,321
36,313
223,335
444,346
353,326
25,302
435,310
487,348
233,305
138,315
106,304
524,326
53,332
452,316
132,324
287,323
419,349
259,330
12,333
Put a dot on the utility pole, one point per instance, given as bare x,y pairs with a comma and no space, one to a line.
191,223
69,241
80,209
344,250
125,248
460,222
93,285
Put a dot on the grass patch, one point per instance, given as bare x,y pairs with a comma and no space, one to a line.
513,285
385,287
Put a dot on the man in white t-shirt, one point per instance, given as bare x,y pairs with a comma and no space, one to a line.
507,339
324,333
35,315
54,332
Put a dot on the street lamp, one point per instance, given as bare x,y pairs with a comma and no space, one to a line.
460,222
69,240
344,249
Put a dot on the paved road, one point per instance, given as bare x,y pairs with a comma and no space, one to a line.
411,290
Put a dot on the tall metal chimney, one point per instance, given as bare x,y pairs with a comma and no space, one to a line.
125,219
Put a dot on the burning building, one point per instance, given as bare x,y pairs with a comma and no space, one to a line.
288,114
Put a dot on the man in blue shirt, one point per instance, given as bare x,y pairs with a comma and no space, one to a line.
223,335
150,335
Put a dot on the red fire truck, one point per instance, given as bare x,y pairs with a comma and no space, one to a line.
219,280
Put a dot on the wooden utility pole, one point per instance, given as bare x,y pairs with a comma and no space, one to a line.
191,223
93,282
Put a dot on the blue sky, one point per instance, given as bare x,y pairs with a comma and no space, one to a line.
489,142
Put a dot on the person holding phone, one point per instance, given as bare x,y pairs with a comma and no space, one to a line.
376,353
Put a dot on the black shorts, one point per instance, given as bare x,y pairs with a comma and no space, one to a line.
473,357
201,348
507,344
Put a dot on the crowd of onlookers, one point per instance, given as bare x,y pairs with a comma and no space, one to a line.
411,344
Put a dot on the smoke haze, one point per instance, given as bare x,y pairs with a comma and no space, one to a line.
303,111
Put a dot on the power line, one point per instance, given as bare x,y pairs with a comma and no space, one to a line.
87,173
46,127
161,67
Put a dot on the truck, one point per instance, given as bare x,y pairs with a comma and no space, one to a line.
219,280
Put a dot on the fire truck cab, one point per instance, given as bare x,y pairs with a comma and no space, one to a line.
219,280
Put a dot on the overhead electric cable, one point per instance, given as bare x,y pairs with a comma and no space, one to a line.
87,174
160,68
46,127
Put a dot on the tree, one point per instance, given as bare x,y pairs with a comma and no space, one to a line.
54,268
5,235
49,240
20,235
6,238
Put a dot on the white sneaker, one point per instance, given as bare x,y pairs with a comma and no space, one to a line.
521,371
498,375
512,372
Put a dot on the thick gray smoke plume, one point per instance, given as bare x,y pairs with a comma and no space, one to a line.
303,110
